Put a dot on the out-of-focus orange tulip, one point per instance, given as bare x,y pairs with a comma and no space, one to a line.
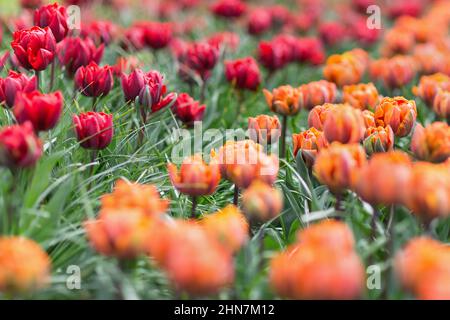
316,93
397,41
429,86
344,124
435,286
24,266
261,202
429,58
347,68
195,177
378,139
283,100
395,72
309,142
361,96
318,115
264,129
229,226
397,112
441,104
336,165
431,143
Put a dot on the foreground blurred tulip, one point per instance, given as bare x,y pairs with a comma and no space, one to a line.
55,17
429,87
309,143
93,80
157,35
19,146
397,112
344,124
264,129
229,226
361,96
337,165
316,93
243,73
24,265
431,143
134,195
77,52
441,104
14,83
34,48
187,109
94,130
378,139
261,202
228,8
42,110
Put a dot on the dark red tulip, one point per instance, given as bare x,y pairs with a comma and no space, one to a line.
228,8
133,84
187,109
15,82
243,73
42,110
93,80
94,130
152,96
158,35
77,52
280,15
55,17
273,55
34,48
100,31
259,21
134,38
309,49
202,57
361,33
332,33
19,146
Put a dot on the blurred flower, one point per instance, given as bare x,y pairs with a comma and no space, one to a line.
157,35
259,21
126,65
378,139
344,69
395,72
76,52
229,226
283,100
101,32
264,129
55,17
397,41
431,143
229,8
429,86
397,112
42,110
94,130
195,177
309,143
337,165
243,73
344,124
30,4
405,8
202,58
273,55
19,146
187,109
261,202
309,50
441,104
34,48
332,33
133,37
361,96
429,59
14,83
224,40
360,31
4,59
318,114
24,265
316,93
93,80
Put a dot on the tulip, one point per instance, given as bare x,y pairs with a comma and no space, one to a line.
187,109
243,73
264,129
224,41
378,139
273,55
34,48
202,58
431,143
261,202
397,112
94,81
394,72
19,146
13,84
429,86
441,104
24,265
309,143
318,114
259,21
74,53
309,50
344,124
153,94
157,35
345,69
101,32
360,31
42,110
133,84
55,17
397,41
126,65
133,38
429,58
94,130
228,8
332,33
369,119
361,96
316,93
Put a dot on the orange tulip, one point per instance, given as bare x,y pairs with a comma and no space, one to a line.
378,139
347,68
283,100
264,129
316,93
431,143
261,202
441,104
318,114
369,119
429,86
429,58
397,41
361,96
395,72
399,113
344,124
309,142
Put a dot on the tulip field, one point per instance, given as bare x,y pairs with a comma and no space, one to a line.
225,149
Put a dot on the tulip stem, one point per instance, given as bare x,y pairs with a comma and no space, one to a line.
52,76
38,79
203,91
373,223
194,207
91,169
94,104
236,195
283,137
11,203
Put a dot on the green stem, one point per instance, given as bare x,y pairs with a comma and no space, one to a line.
52,76
283,137
236,195
194,207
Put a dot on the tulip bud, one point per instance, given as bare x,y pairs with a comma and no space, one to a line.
430,85
318,115
94,81
264,129
431,143
441,104
361,96
344,124
243,73
283,100
19,146
378,139
261,202
74,53
316,93
94,130
187,109
15,82
398,112
42,110
55,17
309,142
202,58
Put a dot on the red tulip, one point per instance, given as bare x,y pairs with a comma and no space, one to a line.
100,31
259,21
157,35
332,33
224,40
125,64
77,52
55,17
15,82
94,81
273,55
94,130
134,38
42,110
202,58
243,73
187,109
34,48
228,8
19,146
310,50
